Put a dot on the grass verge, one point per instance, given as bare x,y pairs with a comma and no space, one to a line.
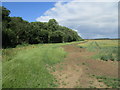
25,67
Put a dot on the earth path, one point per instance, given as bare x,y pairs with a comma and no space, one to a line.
77,68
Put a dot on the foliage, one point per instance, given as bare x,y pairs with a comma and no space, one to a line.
20,70
110,82
18,31
57,37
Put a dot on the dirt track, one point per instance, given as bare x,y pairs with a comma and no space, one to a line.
77,68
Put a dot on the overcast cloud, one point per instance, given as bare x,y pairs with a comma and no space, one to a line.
89,19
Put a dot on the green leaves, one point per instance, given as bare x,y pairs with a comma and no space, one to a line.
18,31
57,37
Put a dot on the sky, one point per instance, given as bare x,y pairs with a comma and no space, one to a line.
28,10
89,19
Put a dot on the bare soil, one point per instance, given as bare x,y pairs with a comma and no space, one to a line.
77,68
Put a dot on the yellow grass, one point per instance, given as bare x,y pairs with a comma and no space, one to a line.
102,43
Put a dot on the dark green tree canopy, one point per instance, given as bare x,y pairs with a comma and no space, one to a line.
52,22
18,31
5,12
53,25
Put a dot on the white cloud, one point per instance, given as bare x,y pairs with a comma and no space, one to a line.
90,19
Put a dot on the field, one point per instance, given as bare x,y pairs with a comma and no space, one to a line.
25,65
83,64
105,49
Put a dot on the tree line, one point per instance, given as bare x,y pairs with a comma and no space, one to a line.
17,31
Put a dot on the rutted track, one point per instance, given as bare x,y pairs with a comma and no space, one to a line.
77,67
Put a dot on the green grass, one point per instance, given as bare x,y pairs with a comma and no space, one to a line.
107,53
25,67
110,82
0,74
105,49
0,68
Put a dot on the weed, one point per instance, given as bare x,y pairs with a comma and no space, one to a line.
110,82
83,64
77,82
63,83
61,68
80,47
78,64
66,77
78,86
92,87
91,82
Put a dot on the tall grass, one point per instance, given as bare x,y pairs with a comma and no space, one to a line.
25,67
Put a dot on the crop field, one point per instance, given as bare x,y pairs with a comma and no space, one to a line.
82,64
105,49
